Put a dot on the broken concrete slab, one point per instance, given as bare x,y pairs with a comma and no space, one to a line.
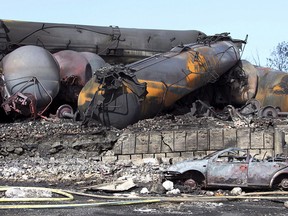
117,186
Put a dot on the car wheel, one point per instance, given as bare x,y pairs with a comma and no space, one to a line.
193,180
191,183
284,184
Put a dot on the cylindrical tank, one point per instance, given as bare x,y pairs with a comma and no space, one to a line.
173,75
121,96
73,64
272,88
243,86
75,71
94,60
32,70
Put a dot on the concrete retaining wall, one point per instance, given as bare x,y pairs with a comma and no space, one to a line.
197,143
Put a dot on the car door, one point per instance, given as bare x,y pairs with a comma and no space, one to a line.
228,169
260,172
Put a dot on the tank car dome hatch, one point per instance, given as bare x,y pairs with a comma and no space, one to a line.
32,70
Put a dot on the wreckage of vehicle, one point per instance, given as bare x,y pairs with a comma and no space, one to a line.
121,95
246,91
31,79
231,167
114,44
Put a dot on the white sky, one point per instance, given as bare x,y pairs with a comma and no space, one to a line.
264,21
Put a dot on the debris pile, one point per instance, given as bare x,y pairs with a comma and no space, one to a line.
44,138
70,171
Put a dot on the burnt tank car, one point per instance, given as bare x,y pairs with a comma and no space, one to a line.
119,96
114,44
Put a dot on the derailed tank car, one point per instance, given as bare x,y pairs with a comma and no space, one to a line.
30,81
78,50
208,67
264,87
119,96
114,44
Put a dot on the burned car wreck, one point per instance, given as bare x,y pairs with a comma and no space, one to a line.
231,167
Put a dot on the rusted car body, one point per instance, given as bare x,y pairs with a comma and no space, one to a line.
119,96
232,167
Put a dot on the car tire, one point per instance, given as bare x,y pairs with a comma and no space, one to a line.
284,184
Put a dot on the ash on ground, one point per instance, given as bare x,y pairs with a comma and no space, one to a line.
64,152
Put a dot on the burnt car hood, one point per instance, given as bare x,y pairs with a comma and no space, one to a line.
188,165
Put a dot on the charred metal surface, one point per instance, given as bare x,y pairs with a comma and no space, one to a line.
75,71
272,88
266,85
115,44
168,77
73,67
243,87
251,109
246,83
112,97
233,167
94,60
206,68
23,104
4,39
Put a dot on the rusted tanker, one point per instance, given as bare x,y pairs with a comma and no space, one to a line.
208,69
266,87
119,96
77,50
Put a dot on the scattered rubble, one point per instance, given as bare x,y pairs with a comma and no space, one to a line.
168,185
144,191
62,153
117,186
236,191
173,192
286,204
70,171
27,193
47,137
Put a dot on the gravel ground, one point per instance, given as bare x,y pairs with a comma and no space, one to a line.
63,154
63,151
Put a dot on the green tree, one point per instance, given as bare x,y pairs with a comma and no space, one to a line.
279,57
